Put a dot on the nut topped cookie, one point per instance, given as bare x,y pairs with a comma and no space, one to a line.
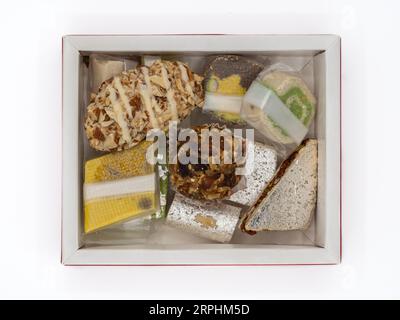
127,106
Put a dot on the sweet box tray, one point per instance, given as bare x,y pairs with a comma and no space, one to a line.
320,59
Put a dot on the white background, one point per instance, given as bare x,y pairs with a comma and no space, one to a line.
30,128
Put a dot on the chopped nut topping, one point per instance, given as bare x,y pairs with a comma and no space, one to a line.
186,95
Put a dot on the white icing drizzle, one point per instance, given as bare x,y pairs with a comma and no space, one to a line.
184,74
151,100
119,115
123,95
185,78
170,94
146,98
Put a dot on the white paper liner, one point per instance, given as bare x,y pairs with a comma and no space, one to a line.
149,60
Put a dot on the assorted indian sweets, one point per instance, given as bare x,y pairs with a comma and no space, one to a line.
217,181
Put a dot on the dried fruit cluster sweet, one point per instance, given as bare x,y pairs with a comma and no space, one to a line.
214,176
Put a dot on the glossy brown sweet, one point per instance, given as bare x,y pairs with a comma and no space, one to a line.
210,180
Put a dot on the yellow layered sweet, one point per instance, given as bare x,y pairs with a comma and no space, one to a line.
118,186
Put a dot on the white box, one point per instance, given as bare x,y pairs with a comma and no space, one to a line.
325,52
